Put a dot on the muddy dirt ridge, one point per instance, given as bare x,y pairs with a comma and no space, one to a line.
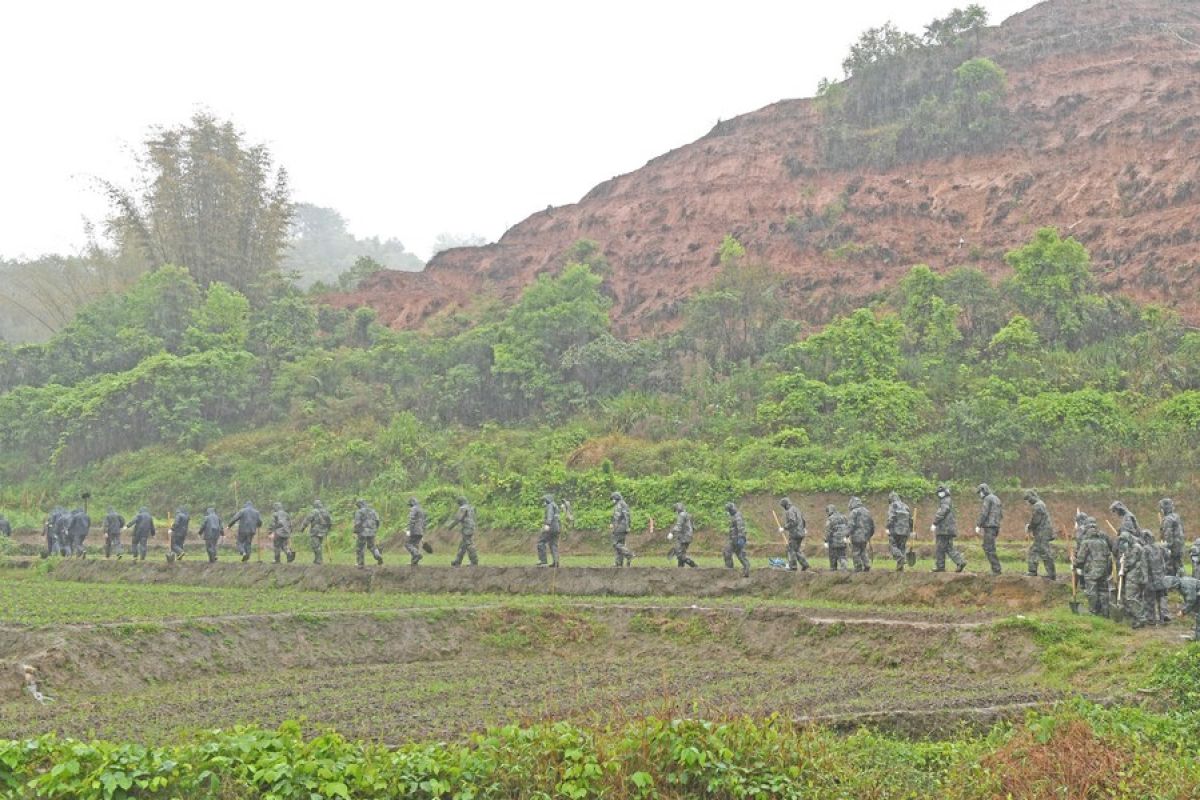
1000,595
1106,147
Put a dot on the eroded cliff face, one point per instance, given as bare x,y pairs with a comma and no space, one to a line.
1105,97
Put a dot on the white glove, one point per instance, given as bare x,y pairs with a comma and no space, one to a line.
976,530
826,545
781,530
408,533
933,528
670,536
545,529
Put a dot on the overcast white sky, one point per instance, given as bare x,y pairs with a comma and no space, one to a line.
411,118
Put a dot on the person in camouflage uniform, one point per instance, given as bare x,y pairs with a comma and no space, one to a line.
48,528
178,534
1155,596
945,530
366,525
62,532
862,528
1129,523
737,540
77,529
318,523
1171,531
1132,577
281,534
1042,531
1080,525
551,528
248,521
1194,554
796,529
464,520
113,523
5,527
415,531
899,528
211,531
991,513
620,530
1189,592
1093,563
681,533
837,539
143,529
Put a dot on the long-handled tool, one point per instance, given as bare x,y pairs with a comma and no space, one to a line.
910,554
779,526
1074,581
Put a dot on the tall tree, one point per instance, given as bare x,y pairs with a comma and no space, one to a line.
208,201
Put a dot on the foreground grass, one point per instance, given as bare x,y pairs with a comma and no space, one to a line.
1077,751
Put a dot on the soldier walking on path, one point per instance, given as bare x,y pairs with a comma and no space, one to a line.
1157,612
991,513
551,528
318,523
281,534
248,521
211,531
1171,530
366,525
62,532
862,528
620,530
837,536
5,527
415,531
143,529
464,520
899,528
796,529
1132,577
1042,531
48,528
945,530
681,533
113,523
737,540
178,534
1093,563
77,530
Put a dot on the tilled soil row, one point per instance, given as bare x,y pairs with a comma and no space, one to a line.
437,672
1002,595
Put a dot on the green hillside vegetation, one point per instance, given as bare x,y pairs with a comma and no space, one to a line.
174,393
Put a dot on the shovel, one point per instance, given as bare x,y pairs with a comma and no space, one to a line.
1074,602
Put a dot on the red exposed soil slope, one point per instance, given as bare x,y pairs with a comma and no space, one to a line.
1107,148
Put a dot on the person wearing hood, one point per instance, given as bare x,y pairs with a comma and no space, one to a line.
681,534
796,529
1171,531
945,530
1157,612
415,532
737,540
620,530
1132,577
1093,563
48,528
248,521
318,523
366,526
1189,593
77,529
178,534
837,539
862,528
5,527
143,529
991,513
113,524
281,533
899,528
62,532
1042,531
464,520
211,531
551,528
1129,523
